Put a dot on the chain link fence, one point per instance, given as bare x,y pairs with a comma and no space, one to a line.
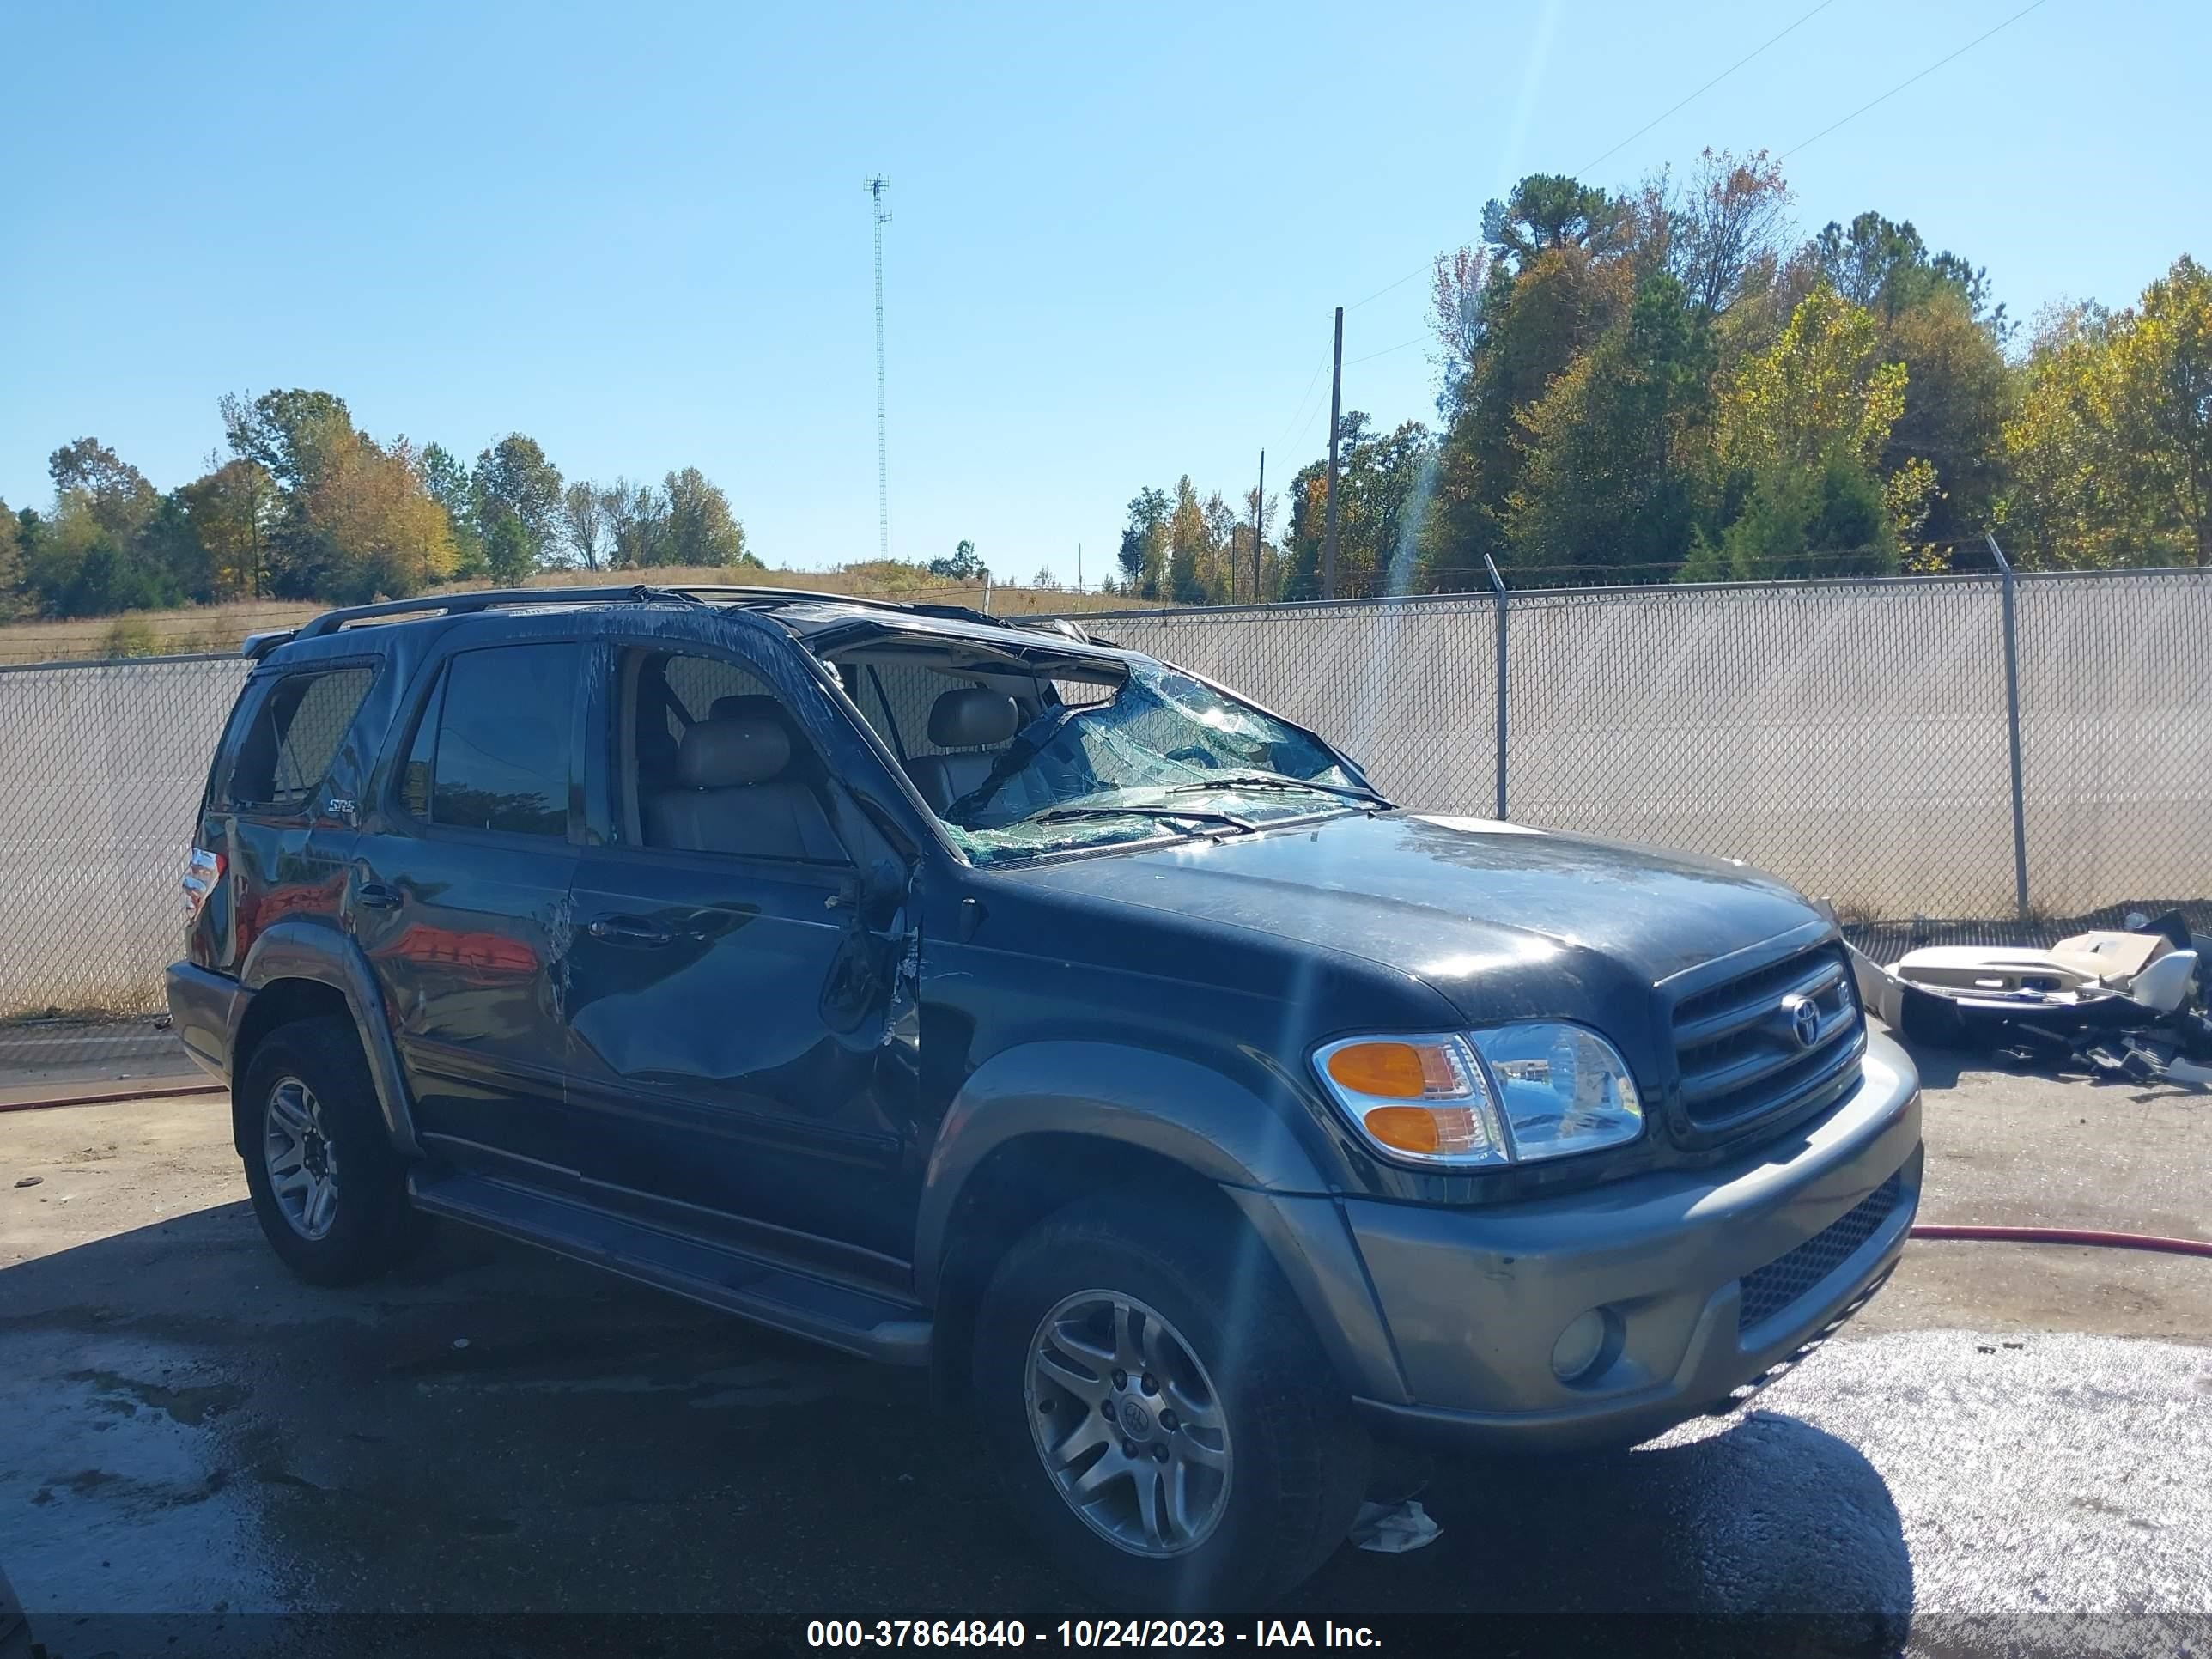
102,766
1856,738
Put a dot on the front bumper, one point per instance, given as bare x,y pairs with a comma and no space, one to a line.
1474,1300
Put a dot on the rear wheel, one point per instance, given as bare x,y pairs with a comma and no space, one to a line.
328,1187
1161,1412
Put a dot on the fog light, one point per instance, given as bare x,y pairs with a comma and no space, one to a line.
1582,1346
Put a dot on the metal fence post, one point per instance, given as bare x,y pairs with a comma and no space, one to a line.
2012,723
1498,592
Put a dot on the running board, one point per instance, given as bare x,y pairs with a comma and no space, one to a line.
736,1281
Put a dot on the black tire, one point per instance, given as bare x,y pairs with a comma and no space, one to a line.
1300,1460
373,1227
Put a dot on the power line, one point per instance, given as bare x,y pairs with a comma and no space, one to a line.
1302,396
1384,289
1387,351
1772,39
1901,85
1707,87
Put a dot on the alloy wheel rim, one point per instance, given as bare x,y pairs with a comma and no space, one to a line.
302,1163
1127,1424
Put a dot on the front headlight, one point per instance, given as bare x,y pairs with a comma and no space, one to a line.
1511,1094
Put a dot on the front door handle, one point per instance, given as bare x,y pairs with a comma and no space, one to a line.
376,896
628,930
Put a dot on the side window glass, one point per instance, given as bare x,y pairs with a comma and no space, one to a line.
503,722
288,749
712,762
422,757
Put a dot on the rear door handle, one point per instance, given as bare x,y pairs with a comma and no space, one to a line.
376,896
628,930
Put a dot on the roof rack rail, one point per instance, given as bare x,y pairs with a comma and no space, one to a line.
824,596
259,645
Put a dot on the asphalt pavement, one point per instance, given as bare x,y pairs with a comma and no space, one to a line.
2011,1451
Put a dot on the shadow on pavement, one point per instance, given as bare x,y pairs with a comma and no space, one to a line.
187,1435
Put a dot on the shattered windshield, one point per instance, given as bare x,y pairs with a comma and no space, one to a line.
1034,763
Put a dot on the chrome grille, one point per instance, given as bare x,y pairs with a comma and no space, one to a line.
1740,1050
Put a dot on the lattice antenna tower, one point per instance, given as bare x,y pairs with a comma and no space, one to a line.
875,187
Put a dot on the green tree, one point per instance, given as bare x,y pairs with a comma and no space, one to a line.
2110,447
1884,267
1727,237
294,435
1547,212
170,547
1819,399
637,526
1959,392
961,565
450,486
1821,388
1131,557
92,554
233,508
1382,491
1146,538
1610,482
1831,520
514,485
113,491
2165,374
1187,544
702,528
1533,326
14,599
584,523
380,530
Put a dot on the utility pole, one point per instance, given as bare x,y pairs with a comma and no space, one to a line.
1079,567
1259,524
1335,406
875,187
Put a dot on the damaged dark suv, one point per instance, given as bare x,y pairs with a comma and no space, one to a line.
975,994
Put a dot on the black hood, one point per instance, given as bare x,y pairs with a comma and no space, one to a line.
1505,922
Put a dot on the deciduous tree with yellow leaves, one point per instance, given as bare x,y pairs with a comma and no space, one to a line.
2111,451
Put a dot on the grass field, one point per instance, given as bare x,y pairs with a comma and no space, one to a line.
220,628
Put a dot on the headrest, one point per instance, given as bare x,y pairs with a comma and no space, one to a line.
725,751
972,718
753,705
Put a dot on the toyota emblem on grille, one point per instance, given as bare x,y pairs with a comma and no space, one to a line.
1804,1017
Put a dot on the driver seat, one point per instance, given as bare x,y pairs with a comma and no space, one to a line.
968,718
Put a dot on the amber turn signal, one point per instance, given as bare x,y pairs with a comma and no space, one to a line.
1397,1071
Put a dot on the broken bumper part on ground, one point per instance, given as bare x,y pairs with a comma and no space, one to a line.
2120,1004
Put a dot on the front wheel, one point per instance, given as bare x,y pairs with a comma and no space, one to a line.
1160,1411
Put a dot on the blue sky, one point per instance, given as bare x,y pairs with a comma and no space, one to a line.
639,232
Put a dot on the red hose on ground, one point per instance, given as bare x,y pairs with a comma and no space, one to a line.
1938,1229
109,1099
2066,1236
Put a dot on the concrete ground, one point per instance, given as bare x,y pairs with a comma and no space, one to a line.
2010,1450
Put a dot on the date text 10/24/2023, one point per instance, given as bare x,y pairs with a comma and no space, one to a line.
1085,1633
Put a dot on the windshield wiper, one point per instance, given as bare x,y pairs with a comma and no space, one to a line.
1064,814
1273,780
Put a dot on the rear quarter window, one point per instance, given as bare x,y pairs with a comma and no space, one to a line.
292,738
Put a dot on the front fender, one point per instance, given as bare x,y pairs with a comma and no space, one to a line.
302,949
1214,1125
